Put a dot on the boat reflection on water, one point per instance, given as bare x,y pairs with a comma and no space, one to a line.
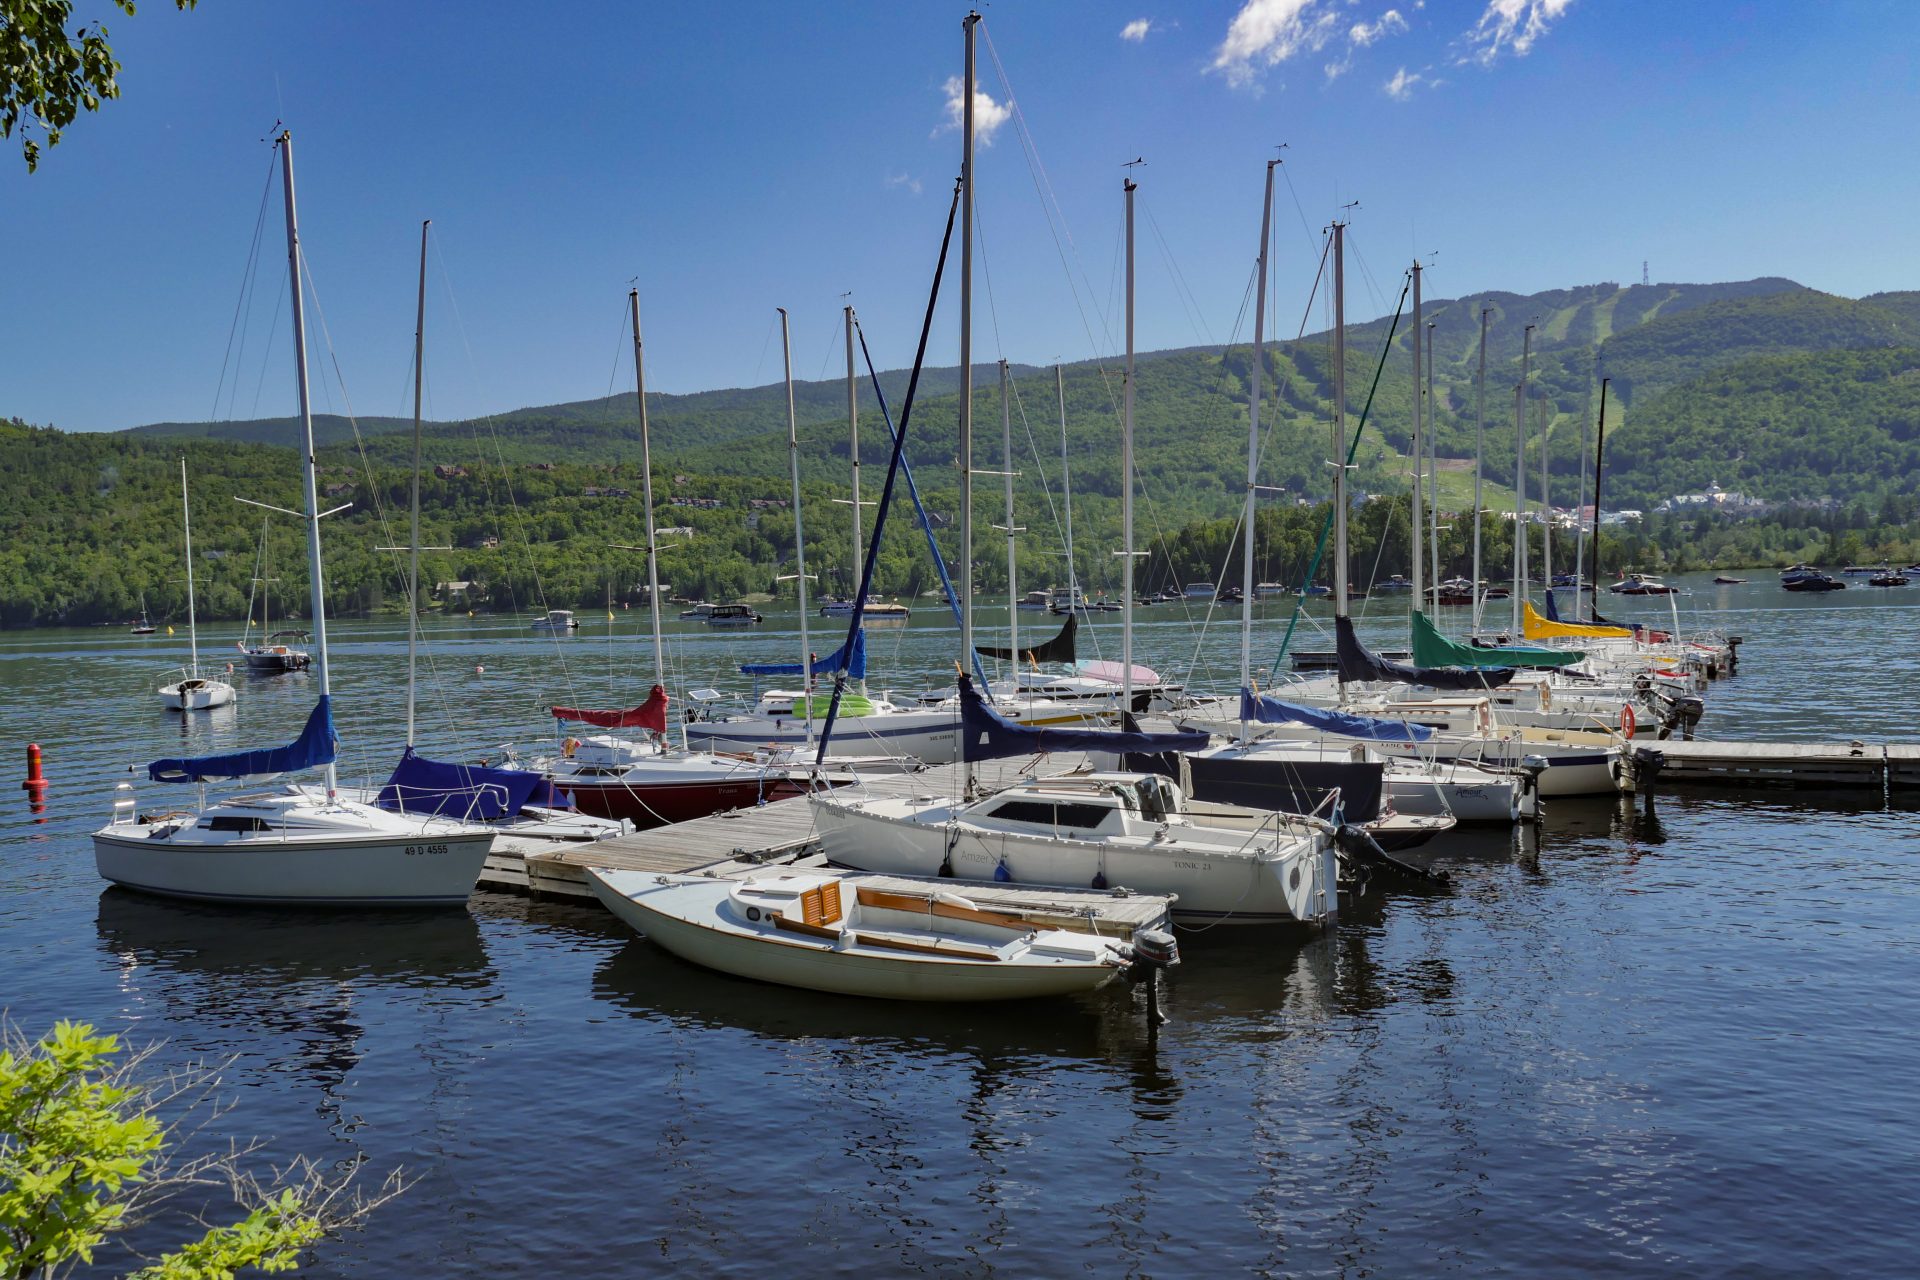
278,984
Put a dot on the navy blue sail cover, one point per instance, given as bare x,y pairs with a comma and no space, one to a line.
851,656
317,744
471,792
1359,663
1264,708
987,735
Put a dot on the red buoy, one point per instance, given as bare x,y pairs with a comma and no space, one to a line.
36,785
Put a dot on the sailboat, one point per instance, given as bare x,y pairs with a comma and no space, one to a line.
1129,829
507,800
788,718
871,610
192,691
645,780
289,846
276,652
145,626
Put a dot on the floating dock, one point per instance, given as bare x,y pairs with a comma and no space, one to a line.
738,843
1848,766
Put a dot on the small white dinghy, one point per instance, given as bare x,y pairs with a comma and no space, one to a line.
828,931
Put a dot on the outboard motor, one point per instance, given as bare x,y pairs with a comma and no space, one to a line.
1151,951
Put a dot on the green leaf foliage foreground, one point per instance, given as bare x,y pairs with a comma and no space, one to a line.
49,75
84,1158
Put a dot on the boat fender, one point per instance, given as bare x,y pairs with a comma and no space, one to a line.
1100,880
1628,721
1000,872
570,746
1486,718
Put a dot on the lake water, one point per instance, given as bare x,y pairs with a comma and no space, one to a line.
1687,1043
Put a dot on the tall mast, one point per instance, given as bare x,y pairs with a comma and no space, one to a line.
853,450
186,524
1433,473
966,362
1066,487
316,580
1339,421
799,535
413,508
1546,505
1580,497
1253,445
1520,479
1126,479
1479,444
1599,450
646,500
1420,601
1013,588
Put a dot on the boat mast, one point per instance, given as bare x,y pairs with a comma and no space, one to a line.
1420,601
1129,186
1479,445
646,499
1340,425
186,524
1579,497
853,449
1066,486
1433,474
1546,504
317,584
799,536
413,516
967,24
1520,479
1599,449
1253,447
1013,589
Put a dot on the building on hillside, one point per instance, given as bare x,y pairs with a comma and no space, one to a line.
1714,498
446,471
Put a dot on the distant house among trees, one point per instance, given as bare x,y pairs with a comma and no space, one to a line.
446,471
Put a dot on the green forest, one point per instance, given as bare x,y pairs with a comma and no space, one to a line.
1807,401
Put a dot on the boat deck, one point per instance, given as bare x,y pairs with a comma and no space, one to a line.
737,844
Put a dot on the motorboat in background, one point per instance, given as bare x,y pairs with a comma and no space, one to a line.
1804,577
1640,584
557,621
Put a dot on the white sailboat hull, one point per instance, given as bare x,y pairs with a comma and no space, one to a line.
932,737
688,920
302,852
196,694
1266,879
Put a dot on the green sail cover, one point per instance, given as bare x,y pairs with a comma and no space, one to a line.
1431,649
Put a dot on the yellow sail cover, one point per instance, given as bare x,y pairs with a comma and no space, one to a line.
1535,627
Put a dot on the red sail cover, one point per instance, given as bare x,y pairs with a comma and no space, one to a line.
651,714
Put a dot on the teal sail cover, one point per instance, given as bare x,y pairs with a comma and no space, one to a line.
1431,649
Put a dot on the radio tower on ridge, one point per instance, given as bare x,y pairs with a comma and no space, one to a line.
1643,272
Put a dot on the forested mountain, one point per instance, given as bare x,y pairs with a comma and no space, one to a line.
1763,386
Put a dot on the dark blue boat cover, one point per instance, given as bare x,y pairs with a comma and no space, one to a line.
469,792
1058,649
1359,663
856,665
317,744
987,735
1264,708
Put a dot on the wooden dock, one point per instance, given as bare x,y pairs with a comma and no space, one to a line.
738,843
1845,766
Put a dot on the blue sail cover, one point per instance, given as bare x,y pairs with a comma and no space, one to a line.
470,792
987,735
1553,610
317,744
856,665
1264,708
1359,663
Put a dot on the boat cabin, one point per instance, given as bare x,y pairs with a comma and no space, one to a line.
1086,804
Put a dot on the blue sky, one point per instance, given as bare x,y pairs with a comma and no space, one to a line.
741,157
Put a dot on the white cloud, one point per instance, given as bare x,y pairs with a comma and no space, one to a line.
1362,34
1400,88
1136,30
1510,26
1390,23
905,181
1266,33
988,115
